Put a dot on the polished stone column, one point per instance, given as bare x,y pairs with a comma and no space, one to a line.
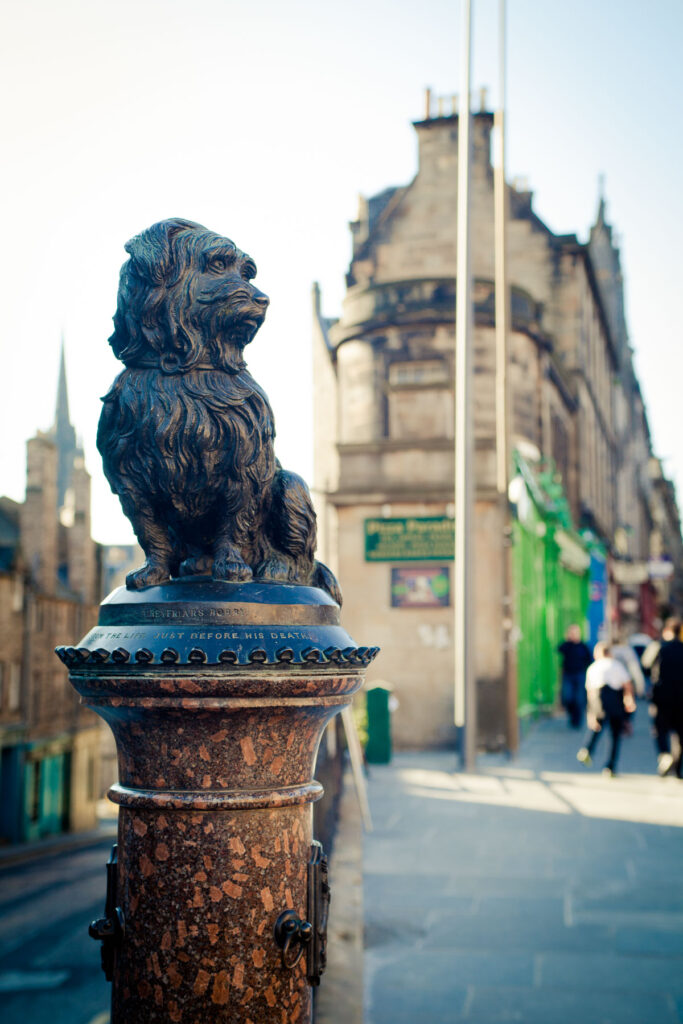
217,695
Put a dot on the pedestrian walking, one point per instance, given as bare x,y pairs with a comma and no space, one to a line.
609,692
576,657
664,659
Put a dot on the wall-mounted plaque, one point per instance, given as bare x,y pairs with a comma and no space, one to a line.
410,539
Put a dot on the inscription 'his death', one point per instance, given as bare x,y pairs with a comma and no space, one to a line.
246,635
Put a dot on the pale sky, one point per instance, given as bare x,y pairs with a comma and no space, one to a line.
264,122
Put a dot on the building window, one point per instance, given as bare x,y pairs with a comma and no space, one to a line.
420,413
419,400
418,373
90,778
14,687
17,595
560,449
34,802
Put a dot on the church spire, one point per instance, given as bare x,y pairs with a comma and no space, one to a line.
62,408
63,433
601,218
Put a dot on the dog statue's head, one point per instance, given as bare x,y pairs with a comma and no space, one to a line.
185,300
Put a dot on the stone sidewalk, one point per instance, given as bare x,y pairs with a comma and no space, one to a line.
534,891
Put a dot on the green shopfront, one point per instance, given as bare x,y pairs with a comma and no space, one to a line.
35,787
551,586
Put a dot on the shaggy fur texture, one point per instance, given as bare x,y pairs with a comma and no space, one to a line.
186,434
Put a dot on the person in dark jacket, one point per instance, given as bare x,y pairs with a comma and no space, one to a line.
665,661
576,658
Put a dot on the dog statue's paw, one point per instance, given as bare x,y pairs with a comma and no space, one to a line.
231,569
274,570
199,565
148,575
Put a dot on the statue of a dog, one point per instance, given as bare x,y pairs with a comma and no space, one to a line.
186,434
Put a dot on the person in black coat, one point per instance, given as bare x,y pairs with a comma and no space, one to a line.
576,658
665,661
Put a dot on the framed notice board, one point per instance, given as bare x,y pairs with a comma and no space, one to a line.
410,539
428,586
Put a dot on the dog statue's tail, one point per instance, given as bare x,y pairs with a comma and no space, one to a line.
326,580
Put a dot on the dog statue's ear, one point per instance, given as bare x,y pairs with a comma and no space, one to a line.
151,252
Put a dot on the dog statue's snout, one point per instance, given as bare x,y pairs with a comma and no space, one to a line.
261,298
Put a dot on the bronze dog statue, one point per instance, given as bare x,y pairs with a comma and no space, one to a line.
186,434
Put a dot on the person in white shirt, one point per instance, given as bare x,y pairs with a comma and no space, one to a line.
609,691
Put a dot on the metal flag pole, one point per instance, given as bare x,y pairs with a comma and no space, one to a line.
465,695
502,293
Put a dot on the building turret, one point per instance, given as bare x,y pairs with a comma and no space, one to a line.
39,512
81,570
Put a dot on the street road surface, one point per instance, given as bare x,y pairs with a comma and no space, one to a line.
49,966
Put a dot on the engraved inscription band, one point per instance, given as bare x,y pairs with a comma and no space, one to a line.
221,614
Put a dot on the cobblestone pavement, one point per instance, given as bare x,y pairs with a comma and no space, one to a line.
535,891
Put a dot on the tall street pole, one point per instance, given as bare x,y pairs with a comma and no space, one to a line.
502,293
501,283
465,693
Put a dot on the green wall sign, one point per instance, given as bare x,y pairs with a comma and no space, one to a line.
412,539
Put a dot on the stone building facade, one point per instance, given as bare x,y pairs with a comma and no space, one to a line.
384,415
49,586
